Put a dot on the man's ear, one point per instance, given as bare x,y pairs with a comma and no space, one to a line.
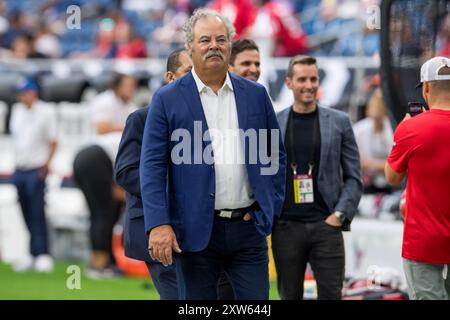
170,76
288,82
188,48
426,91
427,86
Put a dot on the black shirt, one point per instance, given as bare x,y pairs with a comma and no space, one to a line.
303,139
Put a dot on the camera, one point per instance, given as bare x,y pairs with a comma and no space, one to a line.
415,108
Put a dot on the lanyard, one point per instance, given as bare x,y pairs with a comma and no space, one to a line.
292,144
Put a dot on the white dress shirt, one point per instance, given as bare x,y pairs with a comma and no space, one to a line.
33,130
233,188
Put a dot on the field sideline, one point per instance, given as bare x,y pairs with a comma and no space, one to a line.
37,286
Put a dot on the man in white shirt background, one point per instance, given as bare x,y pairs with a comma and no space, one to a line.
33,130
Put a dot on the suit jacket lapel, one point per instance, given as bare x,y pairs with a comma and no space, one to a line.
283,119
241,102
325,137
192,98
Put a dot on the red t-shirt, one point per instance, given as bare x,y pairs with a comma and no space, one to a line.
422,146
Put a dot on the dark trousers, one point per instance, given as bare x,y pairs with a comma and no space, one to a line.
224,288
235,247
30,188
164,280
93,172
294,244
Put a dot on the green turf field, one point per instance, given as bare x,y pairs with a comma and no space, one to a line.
32,285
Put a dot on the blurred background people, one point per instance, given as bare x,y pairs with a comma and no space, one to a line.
126,44
22,47
46,42
239,12
18,26
115,39
110,109
282,32
444,38
374,138
93,171
173,16
33,129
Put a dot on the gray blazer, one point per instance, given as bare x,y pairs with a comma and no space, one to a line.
339,171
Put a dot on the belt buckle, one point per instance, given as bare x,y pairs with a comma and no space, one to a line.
225,214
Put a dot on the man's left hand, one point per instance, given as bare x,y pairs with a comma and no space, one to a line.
247,217
332,220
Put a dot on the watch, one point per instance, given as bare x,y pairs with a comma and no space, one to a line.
340,215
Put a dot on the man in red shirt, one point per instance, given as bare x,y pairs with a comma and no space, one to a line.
421,150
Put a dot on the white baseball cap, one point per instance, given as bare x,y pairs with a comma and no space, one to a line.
430,70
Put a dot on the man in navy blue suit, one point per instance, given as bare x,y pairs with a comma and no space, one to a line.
208,195
127,176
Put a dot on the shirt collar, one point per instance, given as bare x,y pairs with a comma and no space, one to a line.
201,86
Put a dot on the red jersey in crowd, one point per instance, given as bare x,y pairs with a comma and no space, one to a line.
135,48
239,12
288,34
284,28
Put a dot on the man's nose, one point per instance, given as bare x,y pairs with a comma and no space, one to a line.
213,45
253,68
308,84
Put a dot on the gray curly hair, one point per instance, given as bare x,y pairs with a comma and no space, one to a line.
202,13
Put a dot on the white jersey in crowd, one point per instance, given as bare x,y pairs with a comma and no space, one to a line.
33,130
107,107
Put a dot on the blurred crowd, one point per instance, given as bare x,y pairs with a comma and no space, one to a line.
140,28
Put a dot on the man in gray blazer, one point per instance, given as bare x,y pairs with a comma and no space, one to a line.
323,188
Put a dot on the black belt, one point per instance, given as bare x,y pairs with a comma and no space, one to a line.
239,213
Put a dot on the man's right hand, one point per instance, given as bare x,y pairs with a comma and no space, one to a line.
161,242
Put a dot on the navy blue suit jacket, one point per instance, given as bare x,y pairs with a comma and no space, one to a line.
127,176
187,203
